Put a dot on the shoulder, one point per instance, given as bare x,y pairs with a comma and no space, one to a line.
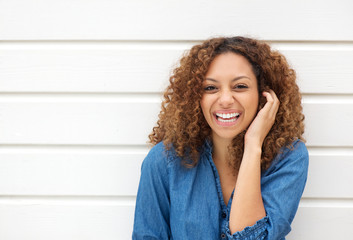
295,150
158,157
295,156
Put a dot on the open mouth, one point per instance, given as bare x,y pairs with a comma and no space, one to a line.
227,117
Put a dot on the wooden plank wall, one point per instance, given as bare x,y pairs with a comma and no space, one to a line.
80,89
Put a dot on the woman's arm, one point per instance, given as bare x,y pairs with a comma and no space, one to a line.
247,205
282,185
152,202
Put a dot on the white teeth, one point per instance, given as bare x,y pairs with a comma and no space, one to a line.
227,115
223,120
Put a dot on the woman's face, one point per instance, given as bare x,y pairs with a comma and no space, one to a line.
230,99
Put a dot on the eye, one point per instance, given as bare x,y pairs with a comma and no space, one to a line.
240,86
209,88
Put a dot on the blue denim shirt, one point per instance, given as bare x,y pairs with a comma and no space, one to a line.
175,202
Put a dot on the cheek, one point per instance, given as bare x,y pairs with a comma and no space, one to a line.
204,105
252,105
256,106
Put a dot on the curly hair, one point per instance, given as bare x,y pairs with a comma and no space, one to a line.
181,123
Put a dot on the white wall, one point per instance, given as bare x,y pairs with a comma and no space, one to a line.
80,85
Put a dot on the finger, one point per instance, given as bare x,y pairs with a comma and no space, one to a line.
272,104
276,102
269,102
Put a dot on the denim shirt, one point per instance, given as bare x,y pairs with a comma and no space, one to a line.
175,202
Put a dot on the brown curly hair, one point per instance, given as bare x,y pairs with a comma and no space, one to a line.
181,123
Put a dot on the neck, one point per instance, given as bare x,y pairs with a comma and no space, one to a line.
220,148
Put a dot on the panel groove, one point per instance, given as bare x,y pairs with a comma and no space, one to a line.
330,150
68,200
150,97
16,148
138,96
161,41
328,98
327,202
155,42
313,150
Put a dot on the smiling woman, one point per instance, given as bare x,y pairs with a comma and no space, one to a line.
229,161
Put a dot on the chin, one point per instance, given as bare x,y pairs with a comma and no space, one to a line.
227,136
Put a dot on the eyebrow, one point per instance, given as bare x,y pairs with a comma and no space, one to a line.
235,79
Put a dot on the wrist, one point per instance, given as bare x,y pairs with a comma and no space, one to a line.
252,152
253,148
254,142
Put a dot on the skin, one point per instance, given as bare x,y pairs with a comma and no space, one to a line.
231,86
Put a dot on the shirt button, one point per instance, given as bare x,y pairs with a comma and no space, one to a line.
223,235
224,215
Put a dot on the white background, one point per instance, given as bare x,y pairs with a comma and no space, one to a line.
80,87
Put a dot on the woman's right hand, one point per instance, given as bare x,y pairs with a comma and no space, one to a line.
264,120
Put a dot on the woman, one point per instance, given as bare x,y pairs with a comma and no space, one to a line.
229,160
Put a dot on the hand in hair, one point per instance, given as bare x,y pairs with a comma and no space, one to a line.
264,120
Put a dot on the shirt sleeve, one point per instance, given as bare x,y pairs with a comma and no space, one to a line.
152,202
282,186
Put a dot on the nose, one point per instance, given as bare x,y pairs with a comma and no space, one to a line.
226,98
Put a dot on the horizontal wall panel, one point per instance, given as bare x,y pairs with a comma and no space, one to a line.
89,174
108,174
330,176
122,123
92,68
145,67
322,223
96,19
65,221
327,124
129,122
322,70
83,221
